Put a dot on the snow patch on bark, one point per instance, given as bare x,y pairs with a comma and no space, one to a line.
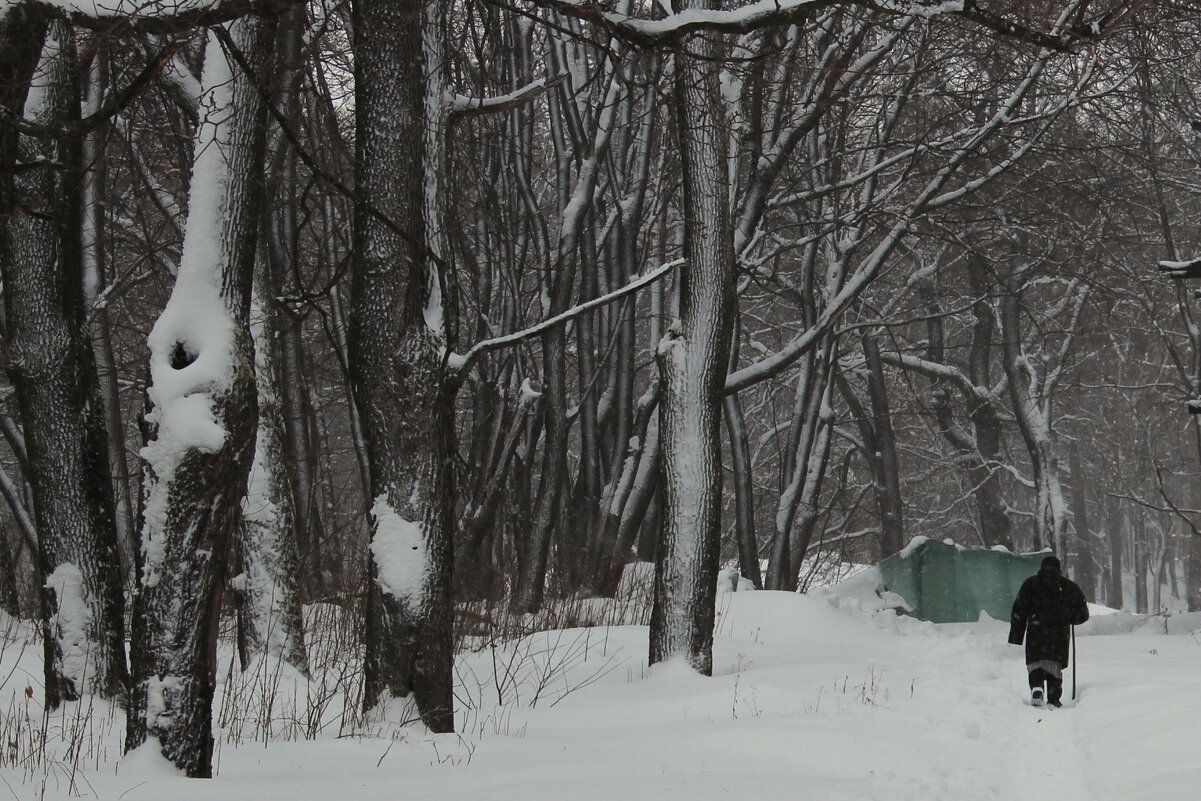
72,622
161,696
399,550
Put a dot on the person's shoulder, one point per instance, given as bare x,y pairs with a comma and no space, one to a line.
1067,585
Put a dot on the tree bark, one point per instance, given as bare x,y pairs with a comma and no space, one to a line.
804,468
397,345
1084,566
888,478
53,371
1029,408
204,413
267,585
693,358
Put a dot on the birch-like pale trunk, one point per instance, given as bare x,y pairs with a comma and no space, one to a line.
1031,398
398,338
95,281
693,356
203,413
267,587
53,370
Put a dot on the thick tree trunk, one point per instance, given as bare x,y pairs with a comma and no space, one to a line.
53,370
693,357
397,345
204,415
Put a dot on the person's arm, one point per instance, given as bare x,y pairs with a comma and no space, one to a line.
1021,613
1080,612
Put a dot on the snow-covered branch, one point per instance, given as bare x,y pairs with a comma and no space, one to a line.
461,363
465,106
944,371
647,33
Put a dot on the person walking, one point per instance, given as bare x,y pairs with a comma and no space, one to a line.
1047,606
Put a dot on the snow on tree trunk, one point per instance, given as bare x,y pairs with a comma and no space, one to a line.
54,373
1031,394
266,587
203,414
397,346
693,357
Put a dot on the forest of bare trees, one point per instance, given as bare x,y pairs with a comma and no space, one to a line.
435,309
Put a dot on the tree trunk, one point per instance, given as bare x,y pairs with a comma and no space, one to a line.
95,278
10,602
295,398
888,487
1031,413
744,486
626,497
744,492
1141,587
980,453
267,584
204,414
1084,565
804,468
1113,530
693,357
397,342
53,371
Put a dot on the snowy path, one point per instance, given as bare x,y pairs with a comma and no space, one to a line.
808,702
1045,763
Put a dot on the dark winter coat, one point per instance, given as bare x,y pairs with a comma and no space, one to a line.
1047,606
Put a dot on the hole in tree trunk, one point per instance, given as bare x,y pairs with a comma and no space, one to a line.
181,357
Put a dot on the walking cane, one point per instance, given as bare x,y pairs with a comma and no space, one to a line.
1073,663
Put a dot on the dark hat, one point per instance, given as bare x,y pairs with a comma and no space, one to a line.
1051,562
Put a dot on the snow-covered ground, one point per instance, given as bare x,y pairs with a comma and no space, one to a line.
810,701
